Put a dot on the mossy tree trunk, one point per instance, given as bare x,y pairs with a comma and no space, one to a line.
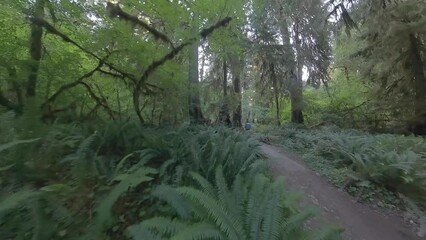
35,48
419,124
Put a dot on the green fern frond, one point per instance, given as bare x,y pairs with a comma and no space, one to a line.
85,146
216,212
255,205
17,199
172,197
165,166
204,184
121,163
257,167
273,212
223,194
104,217
164,225
139,232
8,145
199,231
239,193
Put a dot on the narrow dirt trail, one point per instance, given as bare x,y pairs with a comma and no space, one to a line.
361,222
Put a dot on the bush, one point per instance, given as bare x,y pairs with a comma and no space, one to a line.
74,181
391,161
251,208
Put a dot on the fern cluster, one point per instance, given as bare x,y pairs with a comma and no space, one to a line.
395,162
250,208
390,167
75,181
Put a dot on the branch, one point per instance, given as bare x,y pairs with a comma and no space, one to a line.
145,85
116,11
71,85
7,103
49,28
99,101
156,64
222,23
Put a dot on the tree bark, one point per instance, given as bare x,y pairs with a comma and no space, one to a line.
237,116
35,48
296,84
236,69
195,113
224,117
276,92
419,125
296,90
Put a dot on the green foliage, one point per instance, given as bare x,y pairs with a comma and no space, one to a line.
250,208
355,158
203,151
57,204
84,181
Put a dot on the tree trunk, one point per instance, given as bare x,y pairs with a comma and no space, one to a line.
224,117
296,84
236,69
237,116
35,48
195,113
419,125
296,90
276,93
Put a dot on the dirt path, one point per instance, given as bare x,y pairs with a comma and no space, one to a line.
360,221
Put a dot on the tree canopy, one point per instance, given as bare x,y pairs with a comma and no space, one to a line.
103,101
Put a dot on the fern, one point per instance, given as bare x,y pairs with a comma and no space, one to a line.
172,197
216,213
6,146
164,226
391,161
197,231
273,215
17,199
128,181
254,208
81,161
203,183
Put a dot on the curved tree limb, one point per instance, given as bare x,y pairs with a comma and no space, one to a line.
70,85
116,11
172,54
151,68
101,102
52,30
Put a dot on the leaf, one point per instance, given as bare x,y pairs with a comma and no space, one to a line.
104,217
6,168
14,200
56,188
16,142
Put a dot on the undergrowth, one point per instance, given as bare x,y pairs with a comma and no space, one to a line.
121,180
383,169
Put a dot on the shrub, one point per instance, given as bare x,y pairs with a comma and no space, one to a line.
251,208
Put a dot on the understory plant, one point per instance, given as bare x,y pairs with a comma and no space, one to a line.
392,162
74,181
253,207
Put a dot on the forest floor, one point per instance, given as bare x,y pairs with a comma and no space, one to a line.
361,222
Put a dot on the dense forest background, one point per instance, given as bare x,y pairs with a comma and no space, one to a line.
355,64
104,101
